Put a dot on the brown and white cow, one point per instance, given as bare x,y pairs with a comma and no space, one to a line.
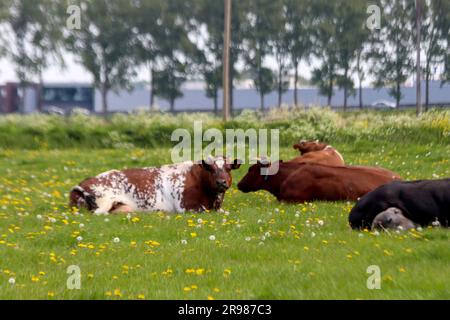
304,182
316,152
182,187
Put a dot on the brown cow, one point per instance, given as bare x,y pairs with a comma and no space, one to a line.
307,182
316,152
186,186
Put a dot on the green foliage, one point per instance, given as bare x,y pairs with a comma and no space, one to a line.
151,130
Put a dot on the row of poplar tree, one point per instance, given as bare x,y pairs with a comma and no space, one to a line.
177,40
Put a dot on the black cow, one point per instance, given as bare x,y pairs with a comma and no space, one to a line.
423,202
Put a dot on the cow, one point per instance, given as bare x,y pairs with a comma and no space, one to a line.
304,182
316,152
423,202
187,186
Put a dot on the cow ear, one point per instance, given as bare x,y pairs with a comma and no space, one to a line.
236,164
205,165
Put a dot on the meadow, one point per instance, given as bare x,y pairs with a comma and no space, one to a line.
257,249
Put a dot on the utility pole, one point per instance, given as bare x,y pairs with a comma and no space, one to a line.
418,70
226,60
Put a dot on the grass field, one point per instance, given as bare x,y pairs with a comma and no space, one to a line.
262,249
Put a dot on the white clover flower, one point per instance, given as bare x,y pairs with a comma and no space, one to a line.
199,220
81,225
263,238
248,238
184,242
376,233
12,281
259,221
297,215
52,220
39,217
212,238
320,222
313,234
106,220
129,216
360,235
267,234
116,240
79,238
419,229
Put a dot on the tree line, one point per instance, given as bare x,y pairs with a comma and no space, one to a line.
177,40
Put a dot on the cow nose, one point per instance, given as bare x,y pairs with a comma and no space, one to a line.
222,184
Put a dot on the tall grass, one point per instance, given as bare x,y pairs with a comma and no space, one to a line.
148,130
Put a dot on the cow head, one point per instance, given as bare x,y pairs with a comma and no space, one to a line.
309,146
216,173
392,218
257,176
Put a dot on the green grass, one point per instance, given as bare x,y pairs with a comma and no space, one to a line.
298,259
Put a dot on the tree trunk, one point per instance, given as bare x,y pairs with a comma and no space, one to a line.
397,97
104,93
345,98
280,86
360,95
216,110
261,95
295,84
152,87
39,92
172,105
330,91
427,86
345,89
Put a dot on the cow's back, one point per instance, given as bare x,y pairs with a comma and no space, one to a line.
328,157
318,182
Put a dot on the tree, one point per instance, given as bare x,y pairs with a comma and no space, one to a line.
325,49
281,52
431,44
102,45
149,31
392,51
259,31
351,35
298,35
338,34
34,39
213,81
167,82
441,16
210,14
